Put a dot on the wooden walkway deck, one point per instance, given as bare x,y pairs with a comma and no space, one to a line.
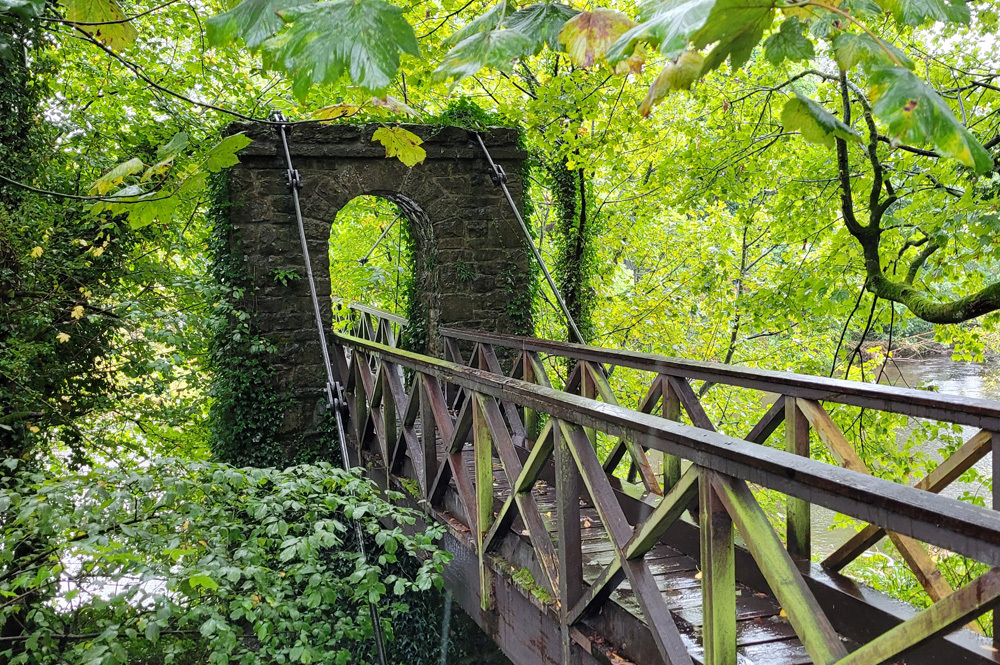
563,561
764,636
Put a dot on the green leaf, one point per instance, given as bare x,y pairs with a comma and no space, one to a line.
737,26
223,155
496,48
588,35
918,12
862,8
22,9
789,43
253,21
115,176
152,631
363,38
144,213
542,22
116,34
209,628
816,124
177,144
406,146
916,114
491,19
850,49
202,580
667,25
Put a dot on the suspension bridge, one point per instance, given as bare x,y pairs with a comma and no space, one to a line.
515,444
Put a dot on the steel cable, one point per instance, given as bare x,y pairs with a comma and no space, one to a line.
334,390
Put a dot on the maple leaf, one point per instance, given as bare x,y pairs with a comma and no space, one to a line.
253,21
735,27
62,338
223,154
588,35
489,20
77,312
789,43
115,33
362,38
401,144
542,21
918,12
665,25
496,48
850,49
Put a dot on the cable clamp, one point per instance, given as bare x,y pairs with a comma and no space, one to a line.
293,179
497,174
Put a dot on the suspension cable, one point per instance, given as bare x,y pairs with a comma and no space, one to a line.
499,178
378,242
334,390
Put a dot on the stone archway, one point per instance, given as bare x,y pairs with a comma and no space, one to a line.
470,258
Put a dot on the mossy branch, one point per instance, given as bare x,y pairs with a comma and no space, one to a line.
922,304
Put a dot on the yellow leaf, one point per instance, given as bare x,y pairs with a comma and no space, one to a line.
588,35
62,337
783,614
697,575
401,144
97,251
117,31
77,312
632,64
115,176
36,252
337,111
158,168
678,75
34,429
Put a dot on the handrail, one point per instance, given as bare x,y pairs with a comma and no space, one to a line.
973,412
949,523
905,401
374,311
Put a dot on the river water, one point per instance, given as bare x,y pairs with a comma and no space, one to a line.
974,380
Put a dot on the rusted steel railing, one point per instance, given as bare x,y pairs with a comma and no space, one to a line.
421,415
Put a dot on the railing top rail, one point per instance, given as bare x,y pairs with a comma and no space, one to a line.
374,311
973,412
955,525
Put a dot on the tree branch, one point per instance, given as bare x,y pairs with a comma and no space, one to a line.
917,263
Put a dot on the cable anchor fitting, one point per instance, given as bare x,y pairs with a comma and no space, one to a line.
497,175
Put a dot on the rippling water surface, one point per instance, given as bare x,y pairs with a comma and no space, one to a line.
972,380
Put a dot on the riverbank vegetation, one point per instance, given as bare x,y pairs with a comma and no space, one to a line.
804,186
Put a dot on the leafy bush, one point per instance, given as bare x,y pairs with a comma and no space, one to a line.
181,562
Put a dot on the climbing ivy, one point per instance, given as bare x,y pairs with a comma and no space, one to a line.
247,408
576,232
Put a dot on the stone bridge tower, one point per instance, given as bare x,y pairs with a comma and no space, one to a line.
458,219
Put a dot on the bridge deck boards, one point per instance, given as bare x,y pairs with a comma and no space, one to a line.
764,636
